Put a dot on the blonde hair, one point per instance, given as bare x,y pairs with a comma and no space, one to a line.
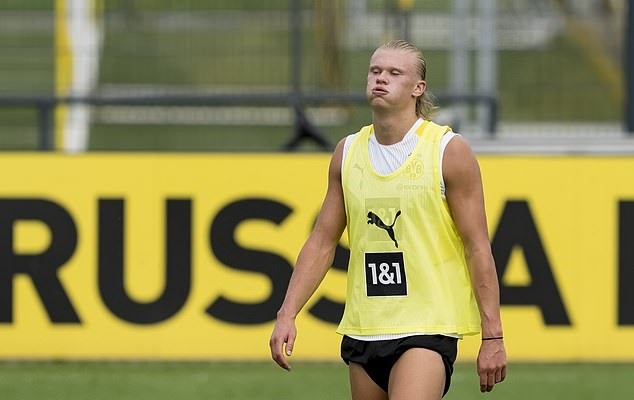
426,104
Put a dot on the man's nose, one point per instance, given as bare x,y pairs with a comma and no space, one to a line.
381,78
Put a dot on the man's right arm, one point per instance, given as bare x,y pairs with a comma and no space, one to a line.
313,262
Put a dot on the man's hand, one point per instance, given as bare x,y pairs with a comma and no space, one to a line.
282,341
491,364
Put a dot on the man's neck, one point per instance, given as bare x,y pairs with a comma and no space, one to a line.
390,129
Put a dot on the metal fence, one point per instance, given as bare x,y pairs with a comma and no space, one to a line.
280,71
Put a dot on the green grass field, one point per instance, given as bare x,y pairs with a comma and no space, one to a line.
249,381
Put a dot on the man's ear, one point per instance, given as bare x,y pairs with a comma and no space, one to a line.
419,89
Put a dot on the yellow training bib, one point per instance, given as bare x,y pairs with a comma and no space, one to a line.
407,270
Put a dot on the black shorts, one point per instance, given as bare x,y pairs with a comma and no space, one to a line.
378,357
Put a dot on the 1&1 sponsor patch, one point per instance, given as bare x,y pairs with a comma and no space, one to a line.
385,274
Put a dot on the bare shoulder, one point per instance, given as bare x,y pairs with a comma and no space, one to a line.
459,160
457,149
338,152
337,156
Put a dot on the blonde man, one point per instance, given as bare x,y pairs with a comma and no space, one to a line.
421,273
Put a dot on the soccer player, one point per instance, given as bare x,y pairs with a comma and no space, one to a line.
421,273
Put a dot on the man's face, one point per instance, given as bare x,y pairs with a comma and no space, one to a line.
393,81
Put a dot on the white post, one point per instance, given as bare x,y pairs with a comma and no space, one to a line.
459,62
79,38
486,58
356,16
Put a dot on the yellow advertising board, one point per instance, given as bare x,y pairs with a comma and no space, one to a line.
187,256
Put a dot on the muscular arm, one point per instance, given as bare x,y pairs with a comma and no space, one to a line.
466,200
313,262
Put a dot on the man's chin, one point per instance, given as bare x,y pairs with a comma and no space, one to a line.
379,103
377,99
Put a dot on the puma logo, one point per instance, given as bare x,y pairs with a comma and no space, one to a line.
376,220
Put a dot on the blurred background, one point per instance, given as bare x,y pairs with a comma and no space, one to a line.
265,75
220,106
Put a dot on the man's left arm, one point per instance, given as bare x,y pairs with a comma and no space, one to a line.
465,197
